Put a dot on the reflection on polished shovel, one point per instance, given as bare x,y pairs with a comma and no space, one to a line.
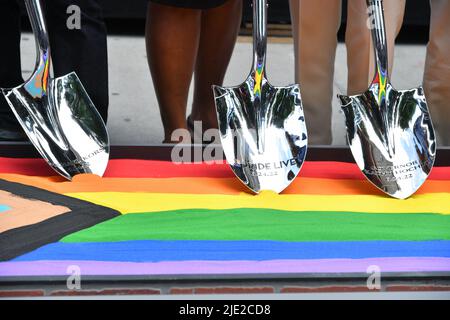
262,127
57,115
390,132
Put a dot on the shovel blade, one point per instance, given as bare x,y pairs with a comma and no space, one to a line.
62,123
391,137
263,135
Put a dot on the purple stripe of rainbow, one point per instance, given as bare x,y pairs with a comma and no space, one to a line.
333,266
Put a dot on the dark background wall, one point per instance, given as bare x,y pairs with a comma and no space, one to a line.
128,17
417,10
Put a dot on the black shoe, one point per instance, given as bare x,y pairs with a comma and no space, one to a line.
10,129
13,136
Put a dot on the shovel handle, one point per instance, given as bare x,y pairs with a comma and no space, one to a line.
38,25
259,35
378,29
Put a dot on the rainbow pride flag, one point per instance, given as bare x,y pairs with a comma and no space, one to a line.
197,219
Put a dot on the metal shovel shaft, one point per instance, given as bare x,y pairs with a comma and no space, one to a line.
378,30
259,60
37,20
259,34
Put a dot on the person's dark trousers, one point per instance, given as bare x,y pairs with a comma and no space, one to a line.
83,51
10,71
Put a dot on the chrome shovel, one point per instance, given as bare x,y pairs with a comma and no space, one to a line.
390,132
262,127
57,114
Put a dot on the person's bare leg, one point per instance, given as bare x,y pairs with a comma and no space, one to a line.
315,27
220,27
437,70
172,39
